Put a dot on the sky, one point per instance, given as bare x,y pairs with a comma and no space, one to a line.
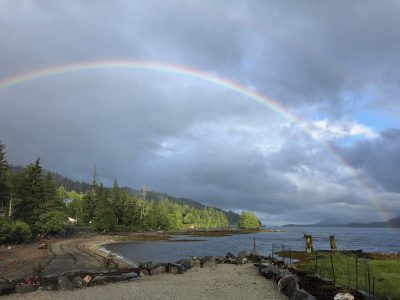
333,67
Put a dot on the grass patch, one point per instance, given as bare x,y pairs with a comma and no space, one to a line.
350,270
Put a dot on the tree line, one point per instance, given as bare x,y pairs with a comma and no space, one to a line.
31,204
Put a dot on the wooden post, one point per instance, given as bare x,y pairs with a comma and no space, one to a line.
273,250
333,270
356,273
316,263
308,240
332,241
254,245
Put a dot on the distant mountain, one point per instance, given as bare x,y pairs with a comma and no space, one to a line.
393,223
83,187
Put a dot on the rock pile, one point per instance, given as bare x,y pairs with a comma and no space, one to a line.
287,282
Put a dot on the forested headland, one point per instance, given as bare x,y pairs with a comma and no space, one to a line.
32,204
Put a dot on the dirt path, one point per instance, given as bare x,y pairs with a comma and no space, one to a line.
68,257
61,256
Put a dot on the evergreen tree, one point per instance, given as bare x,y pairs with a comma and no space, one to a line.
90,201
4,178
117,203
132,211
104,216
248,220
29,190
52,201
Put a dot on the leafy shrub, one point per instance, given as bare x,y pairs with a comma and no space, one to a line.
14,232
22,232
53,222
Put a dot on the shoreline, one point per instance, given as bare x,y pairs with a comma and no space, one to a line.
75,257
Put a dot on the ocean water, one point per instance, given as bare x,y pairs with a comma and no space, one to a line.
385,240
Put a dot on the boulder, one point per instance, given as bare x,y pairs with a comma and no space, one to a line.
220,259
196,261
187,262
274,273
208,262
289,285
99,280
263,265
6,288
256,257
78,282
241,261
64,283
243,254
129,276
176,268
302,295
157,269
87,279
24,288
144,273
145,265
344,296
230,258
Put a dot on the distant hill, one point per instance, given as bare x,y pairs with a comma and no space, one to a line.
392,223
83,187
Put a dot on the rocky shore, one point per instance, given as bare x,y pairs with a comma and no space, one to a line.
230,276
224,281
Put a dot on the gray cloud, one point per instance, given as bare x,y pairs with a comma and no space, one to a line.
195,139
378,159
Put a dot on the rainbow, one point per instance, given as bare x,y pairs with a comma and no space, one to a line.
192,73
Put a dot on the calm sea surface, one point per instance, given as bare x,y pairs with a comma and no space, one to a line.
368,239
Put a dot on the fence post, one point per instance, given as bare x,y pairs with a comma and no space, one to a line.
333,270
273,250
356,273
369,282
373,286
316,263
348,273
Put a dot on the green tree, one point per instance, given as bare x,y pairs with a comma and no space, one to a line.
75,206
132,211
116,202
52,201
14,232
53,222
29,191
4,178
248,220
89,202
104,217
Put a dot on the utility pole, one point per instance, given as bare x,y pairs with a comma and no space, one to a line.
144,193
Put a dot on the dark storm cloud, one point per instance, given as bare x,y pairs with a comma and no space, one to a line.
194,139
378,159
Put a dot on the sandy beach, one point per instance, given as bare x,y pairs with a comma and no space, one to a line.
224,281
